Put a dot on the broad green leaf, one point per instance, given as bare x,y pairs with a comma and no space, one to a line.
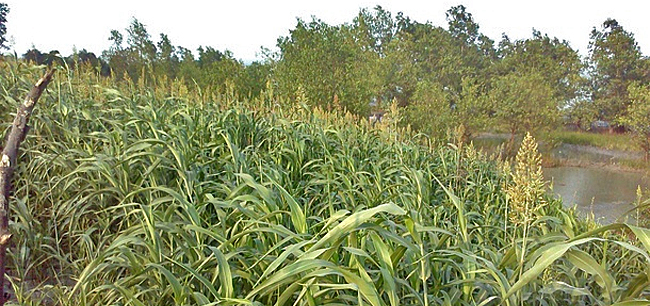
643,234
587,263
355,220
545,260
225,276
297,215
173,281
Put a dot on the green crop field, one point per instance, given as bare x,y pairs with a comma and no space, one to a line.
129,194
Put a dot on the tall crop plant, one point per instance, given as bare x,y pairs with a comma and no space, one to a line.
169,195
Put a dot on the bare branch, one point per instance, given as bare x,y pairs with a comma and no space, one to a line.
8,163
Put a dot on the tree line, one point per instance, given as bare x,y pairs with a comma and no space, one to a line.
439,77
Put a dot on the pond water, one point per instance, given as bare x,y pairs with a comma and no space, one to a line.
607,194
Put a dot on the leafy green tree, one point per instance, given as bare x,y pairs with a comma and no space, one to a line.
139,43
426,52
254,79
224,76
116,55
523,102
462,25
383,61
366,43
430,98
379,56
581,112
378,28
472,106
134,59
83,56
4,10
85,59
188,69
554,60
316,60
437,111
51,58
166,58
476,49
209,55
140,52
438,72
217,70
637,115
615,62
117,39
34,55
415,55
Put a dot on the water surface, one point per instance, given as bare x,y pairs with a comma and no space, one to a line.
608,194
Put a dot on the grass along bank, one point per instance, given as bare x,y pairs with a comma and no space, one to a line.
583,149
579,149
164,195
614,142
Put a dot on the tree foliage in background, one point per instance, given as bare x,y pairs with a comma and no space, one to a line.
135,58
140,45
476,49
615,61
554,60
524,102
437,111
167,57
314,60
442,76
430,96
376,29
637,115
50,58
136,55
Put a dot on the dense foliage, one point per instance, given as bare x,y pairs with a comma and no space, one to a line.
440,76
151,176
139,195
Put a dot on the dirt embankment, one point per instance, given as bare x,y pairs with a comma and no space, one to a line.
573,155
603,153
589,156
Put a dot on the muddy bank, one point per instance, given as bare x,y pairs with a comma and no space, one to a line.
571,155
595,154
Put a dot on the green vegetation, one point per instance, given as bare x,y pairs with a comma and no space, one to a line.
616,62
620,142
637,116
164,195
516,113
440,77
151,176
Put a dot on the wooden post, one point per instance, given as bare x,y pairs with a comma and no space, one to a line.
7,166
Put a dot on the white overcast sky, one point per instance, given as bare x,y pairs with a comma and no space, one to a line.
244,26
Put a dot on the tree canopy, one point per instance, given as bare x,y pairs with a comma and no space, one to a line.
441,76
615,62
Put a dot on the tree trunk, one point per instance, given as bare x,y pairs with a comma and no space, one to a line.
7,166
